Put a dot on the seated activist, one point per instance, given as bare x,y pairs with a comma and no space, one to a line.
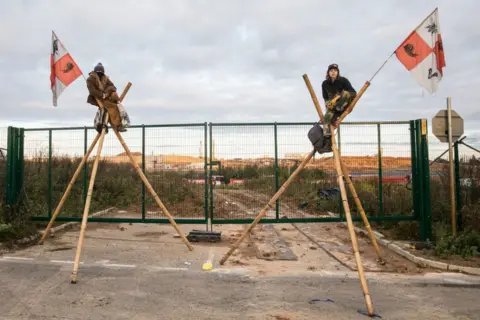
101,87
338,93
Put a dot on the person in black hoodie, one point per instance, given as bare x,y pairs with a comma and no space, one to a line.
338,93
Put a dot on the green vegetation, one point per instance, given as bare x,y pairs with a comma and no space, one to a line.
116,184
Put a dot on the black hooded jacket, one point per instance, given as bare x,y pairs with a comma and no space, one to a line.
330,89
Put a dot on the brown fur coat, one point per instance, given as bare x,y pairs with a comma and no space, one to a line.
97,87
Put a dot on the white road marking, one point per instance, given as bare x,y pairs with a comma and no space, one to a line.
118,265
64,261
167,268
17,258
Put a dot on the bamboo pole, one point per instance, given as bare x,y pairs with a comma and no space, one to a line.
271,204
344,167
152,191
87,203
314,98
360,208
353,103
353,237
75,176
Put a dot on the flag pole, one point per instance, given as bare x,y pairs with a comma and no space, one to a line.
381,67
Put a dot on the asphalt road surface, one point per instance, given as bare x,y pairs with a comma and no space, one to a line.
42,290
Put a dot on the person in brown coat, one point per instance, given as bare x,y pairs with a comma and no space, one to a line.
102,88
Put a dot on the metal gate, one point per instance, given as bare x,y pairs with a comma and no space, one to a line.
224,172
173,158
388,163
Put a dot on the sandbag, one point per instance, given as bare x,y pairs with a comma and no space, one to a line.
320,143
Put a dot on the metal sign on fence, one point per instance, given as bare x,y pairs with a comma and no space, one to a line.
440,125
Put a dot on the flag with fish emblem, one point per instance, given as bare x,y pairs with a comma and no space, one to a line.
63,71
422,53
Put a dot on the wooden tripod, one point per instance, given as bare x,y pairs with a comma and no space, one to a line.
341,173
100,138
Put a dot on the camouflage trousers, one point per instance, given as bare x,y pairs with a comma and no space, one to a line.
335,108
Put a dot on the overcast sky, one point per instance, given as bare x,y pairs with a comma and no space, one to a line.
232,61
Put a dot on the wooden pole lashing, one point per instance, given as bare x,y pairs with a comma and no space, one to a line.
271,204
75,176
152,191
351,230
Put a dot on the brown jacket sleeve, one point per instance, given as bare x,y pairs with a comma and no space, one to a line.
92,88
110,87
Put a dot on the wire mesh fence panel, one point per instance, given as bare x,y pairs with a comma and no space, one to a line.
66,154
360,154
3,167
175,167
313,192
243,171
117,183
467,184
395,169
227,172
440,188
36,172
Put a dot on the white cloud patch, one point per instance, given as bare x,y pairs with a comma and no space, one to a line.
231,60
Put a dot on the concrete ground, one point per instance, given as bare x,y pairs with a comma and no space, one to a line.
144,271
42,290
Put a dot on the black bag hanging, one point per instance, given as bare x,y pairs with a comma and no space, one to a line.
320,143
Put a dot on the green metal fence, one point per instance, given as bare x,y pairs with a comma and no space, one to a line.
173,158
226,172
3,168
13,179
467,188
384,160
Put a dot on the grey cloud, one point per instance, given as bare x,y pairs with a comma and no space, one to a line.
229,61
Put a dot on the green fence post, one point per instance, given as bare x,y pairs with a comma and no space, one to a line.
85,166
457,187
420,180
49,173
8,173
210,175
380,173
14,167
8,177
414,171
14,172
21,162
426,220
205,172
143,170
277,203
426,176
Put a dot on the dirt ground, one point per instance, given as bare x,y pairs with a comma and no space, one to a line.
271,250
331,238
